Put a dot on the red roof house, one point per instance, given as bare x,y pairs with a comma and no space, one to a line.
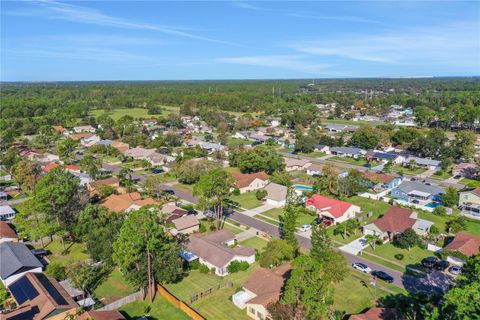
466,243
336,210
50,166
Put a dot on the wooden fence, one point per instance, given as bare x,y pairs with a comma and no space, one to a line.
123,301
204,293
179,303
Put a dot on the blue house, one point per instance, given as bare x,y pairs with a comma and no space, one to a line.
381,180
417,192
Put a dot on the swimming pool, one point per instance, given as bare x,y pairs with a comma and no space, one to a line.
432,204
303,187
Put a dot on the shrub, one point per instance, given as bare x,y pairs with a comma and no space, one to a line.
203,268
260,194
399,256
440,211
236,266
194,265
406,239
56,270
213,227
236,192
202,228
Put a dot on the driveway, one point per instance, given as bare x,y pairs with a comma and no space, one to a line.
257,210
355,246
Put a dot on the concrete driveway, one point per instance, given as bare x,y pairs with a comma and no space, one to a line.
257,210
355,246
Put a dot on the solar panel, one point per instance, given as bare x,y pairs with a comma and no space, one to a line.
59,299
23,290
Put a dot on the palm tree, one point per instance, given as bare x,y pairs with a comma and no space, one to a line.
372,239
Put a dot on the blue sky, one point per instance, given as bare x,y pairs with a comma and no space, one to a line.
123,40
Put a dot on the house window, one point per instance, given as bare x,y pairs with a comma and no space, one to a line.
260,315
251,310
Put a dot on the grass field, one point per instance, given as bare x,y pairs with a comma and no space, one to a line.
408,171
247,200
134,112
159,309
357,162
470,183
216,305
441,175
114,288
313,154
369,205
276,212
411,257
351,122
254,243
75,252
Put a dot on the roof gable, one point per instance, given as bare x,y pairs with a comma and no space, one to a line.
336,208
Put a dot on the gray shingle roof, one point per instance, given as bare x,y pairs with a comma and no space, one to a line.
409,186
15,257
347,150
423,161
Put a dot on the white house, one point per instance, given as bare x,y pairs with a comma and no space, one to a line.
292,164
314,169
247,182
84,129
6,213
423,162
16,260
276,195
335,210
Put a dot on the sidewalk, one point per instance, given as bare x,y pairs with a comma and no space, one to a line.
257,210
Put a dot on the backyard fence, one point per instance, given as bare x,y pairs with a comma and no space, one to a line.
123,301
179,303
210,290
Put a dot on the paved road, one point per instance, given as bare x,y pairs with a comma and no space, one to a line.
359,168
13,202
437,281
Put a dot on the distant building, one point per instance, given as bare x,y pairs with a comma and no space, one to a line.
351,152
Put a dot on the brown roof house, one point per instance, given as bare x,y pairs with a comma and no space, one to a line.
378,314
263,287
7,234
186,224
292,164
40,297
126,202
397,220
465,243
212,250
101,315
247,182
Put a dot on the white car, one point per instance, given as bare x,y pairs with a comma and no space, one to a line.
361,267
305,228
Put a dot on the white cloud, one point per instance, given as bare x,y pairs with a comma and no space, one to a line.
434,45
94,54
334,18
291,62
244,5
80,14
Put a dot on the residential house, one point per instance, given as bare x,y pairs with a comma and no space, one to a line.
80,136
40,297
377,156
211,147
336,210
417,192
138,153
101,315
314,169
465,170
90,140
149,122
397,220
120,146
469,202
262,287
127,202
276,195
61,130
157,159
292,164
3,196
423,162
350,152
173,212
39,156
339,128
247,182
16,261
76,294
7,234
212,250
95,186
49,167
240,135
6,213
465,243
378,314
104,142
322,148
80,129
381,181
186,224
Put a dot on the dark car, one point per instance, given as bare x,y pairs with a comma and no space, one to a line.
157,171
169,191
383,276
442,265
429,262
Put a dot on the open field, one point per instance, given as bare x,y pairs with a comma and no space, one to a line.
75,252
116,114
254,243
351,122
247,200
357,162
276,212
113,288
470,183
159,309
410,257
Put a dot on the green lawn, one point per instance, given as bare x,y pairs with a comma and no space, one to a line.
159,309
441,175
473,226
352,296
411,257
351,122
216,305
75,252
369,205
247,200
254,243
313,154
408,171
231,228
276,212
470,183
134,112
357,162
113,288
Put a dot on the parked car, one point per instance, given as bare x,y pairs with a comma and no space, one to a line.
157,171
442,265
209,214
429,262
455,270
361,267
326,222
169,191
305,228
383,276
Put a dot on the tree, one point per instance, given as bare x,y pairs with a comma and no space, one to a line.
26,174
352,184
305,144
327,184
86,276
145,253
308,291
281,177
372,239
456,225
464,147
347,228
65,149
368,137
276,252
407,239
450,198
440,211
213,188
91,165
154,185
260,158
261,194
288,221
320,240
